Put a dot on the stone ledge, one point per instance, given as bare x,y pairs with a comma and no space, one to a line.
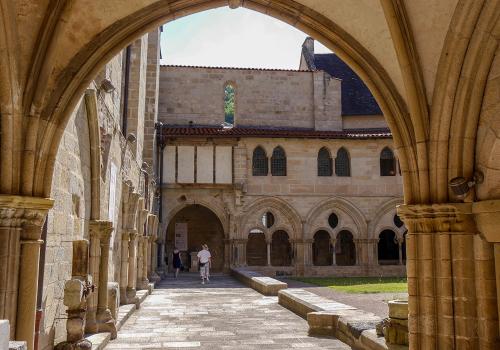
265,285
325,317
100,340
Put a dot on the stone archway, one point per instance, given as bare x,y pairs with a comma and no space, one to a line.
203,227
388,250
322,249
256,248
345,249
281,249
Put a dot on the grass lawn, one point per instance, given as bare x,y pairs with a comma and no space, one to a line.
359,284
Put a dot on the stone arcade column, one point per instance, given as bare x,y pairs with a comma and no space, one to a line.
106,323
451,283
334,260
303,255
124,267
95,254
241,252
268,245
227,255
21,222
132,269
400,251
153,275
143,266
140,261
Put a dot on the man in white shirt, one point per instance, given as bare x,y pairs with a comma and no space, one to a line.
204,261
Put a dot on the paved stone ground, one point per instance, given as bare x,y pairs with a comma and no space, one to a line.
183,314
371,302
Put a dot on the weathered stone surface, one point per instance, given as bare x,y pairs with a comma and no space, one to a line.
221,315
262,284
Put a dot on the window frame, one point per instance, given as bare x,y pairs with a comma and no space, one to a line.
387,165
324,164
260,170
277,168
346,166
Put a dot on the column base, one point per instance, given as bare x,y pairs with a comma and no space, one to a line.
143,284
106,323
128,296
154,277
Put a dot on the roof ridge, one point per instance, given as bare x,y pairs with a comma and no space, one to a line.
236,68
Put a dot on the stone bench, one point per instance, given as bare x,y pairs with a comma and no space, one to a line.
265,285
350,325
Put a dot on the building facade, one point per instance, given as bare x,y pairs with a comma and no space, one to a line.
303,182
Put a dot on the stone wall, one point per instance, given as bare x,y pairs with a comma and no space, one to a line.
263,97
78,181
67,221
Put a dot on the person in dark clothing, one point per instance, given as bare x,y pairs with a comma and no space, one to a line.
177,261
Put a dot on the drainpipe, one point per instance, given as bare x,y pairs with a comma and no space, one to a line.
128,51
161,147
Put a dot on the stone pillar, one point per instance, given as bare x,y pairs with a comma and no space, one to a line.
161,244
105,320
149,254
450,279
241,251
132,268
153,275
21,222
142,267
334,260
303,254
227,255
124,267
95,252
140,261
400,246
268,244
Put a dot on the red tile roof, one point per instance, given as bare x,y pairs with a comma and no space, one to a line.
210,131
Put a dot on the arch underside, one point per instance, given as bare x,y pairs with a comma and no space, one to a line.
59,102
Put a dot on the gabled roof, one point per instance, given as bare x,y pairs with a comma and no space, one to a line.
176,131
356,98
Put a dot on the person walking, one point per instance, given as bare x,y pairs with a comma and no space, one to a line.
204,261
176,261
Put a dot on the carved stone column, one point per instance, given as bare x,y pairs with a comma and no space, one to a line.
153,275
241,252
21,222
303,255
95,254
334,260
268,244
132,269
124,267
142,263
451,283
105,320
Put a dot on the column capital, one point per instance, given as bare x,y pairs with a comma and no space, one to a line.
19,211
436,218
101,229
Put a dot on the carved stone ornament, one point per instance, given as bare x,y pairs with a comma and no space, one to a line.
18,211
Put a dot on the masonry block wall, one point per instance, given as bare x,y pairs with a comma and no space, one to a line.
72,189
67,221
263,97
151,97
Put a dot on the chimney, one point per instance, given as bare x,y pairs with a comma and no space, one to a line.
309,45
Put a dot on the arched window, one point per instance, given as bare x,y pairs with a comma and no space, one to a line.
342,163
278,162
229,100
322,249
324,162
333,220
345,249
387,162
259,162
388,248
268,219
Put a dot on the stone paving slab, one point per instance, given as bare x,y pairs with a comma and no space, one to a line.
183,314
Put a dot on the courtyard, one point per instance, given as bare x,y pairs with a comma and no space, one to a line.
183,314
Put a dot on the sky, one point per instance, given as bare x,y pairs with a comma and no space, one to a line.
233,38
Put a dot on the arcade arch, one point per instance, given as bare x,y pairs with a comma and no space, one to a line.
196,225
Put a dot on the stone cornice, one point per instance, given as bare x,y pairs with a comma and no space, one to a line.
18,211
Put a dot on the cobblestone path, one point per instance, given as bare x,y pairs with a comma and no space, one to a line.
183,314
